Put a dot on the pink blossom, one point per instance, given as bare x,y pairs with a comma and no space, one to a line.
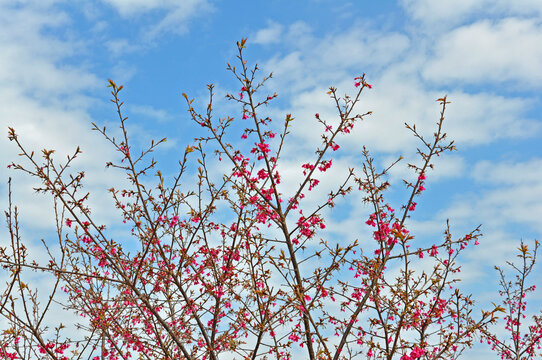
294,337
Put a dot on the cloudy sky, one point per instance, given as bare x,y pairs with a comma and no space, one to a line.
486,55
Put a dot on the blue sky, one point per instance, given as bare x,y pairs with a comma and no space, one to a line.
486,55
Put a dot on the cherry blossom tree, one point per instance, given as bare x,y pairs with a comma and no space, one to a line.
236,265
525,340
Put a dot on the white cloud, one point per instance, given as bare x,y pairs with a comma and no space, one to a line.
129,8
400,94
512,197
47,103
29,57
118,47
150,112
269,35
177,16
509,173
507,52
445,13
475,119
299,33
515,194
311,62
434,11
471,119
122,72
